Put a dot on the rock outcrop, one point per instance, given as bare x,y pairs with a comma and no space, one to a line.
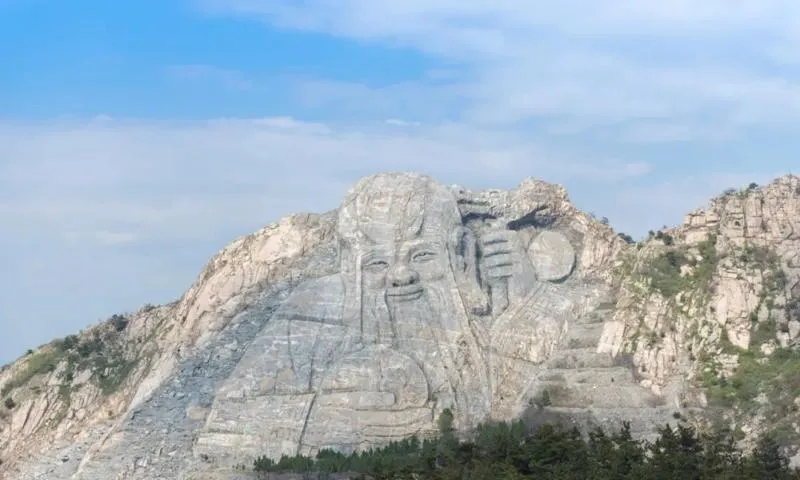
353,328
709,310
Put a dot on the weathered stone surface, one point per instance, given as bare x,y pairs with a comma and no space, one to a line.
428,312
357,327
734,295
552,255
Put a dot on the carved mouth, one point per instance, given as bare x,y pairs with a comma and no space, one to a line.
406,292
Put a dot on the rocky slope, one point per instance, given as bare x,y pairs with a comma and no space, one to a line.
699,320
714,305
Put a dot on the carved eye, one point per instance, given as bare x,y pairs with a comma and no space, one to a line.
423,256
376,264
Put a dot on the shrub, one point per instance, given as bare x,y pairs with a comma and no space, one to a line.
626,238
119,322
69,342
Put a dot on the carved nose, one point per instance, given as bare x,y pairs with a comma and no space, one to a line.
401,275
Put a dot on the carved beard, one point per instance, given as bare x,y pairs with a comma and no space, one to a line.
421,331
396,322
432,330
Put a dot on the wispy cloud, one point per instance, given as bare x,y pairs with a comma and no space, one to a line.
700,67
100,181
116,182
401,123
114,213
619,100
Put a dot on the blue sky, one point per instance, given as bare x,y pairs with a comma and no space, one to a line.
138,138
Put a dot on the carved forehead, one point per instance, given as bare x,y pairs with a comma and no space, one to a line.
397,206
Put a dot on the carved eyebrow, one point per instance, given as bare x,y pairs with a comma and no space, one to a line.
423,249
371,256
421,244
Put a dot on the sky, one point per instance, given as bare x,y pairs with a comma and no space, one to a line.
139,138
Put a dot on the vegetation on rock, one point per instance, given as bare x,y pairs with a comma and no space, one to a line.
665,270
42,362
100,351
549,452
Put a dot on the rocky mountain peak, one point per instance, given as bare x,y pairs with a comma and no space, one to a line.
348,329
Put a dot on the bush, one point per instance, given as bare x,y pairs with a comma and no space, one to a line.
665,237
119,322
69,342
626,238
10,403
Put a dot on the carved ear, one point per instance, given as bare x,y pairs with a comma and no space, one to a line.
552,256
463,250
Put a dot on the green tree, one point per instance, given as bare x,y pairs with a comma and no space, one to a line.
767,461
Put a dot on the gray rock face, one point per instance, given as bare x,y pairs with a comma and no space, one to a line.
431,310
426,298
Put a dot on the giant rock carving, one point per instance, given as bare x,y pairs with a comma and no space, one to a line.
427,313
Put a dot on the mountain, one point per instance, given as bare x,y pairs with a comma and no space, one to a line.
355,327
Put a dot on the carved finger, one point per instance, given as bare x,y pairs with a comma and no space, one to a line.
496,249
503,271
495,237
498,261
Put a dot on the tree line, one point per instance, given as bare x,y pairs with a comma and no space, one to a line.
549,452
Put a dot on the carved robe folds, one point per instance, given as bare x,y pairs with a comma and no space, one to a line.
428,313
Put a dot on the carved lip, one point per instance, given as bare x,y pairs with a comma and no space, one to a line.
406,292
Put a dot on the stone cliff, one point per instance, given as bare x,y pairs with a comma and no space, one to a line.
359,326
713,305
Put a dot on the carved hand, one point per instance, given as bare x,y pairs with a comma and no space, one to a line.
497,250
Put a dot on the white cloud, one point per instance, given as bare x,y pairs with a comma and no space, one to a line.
613,17
161,178
106,215
659,132
401,123
702,67
116,182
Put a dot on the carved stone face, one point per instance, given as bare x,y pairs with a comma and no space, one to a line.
405,257
395,230
402,269
405,280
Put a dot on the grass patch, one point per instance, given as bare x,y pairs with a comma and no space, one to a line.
777,376
41,362
104,357
664,270
102,352
762,333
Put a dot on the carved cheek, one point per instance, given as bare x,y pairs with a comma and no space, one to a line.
375,282
431,270
374,278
